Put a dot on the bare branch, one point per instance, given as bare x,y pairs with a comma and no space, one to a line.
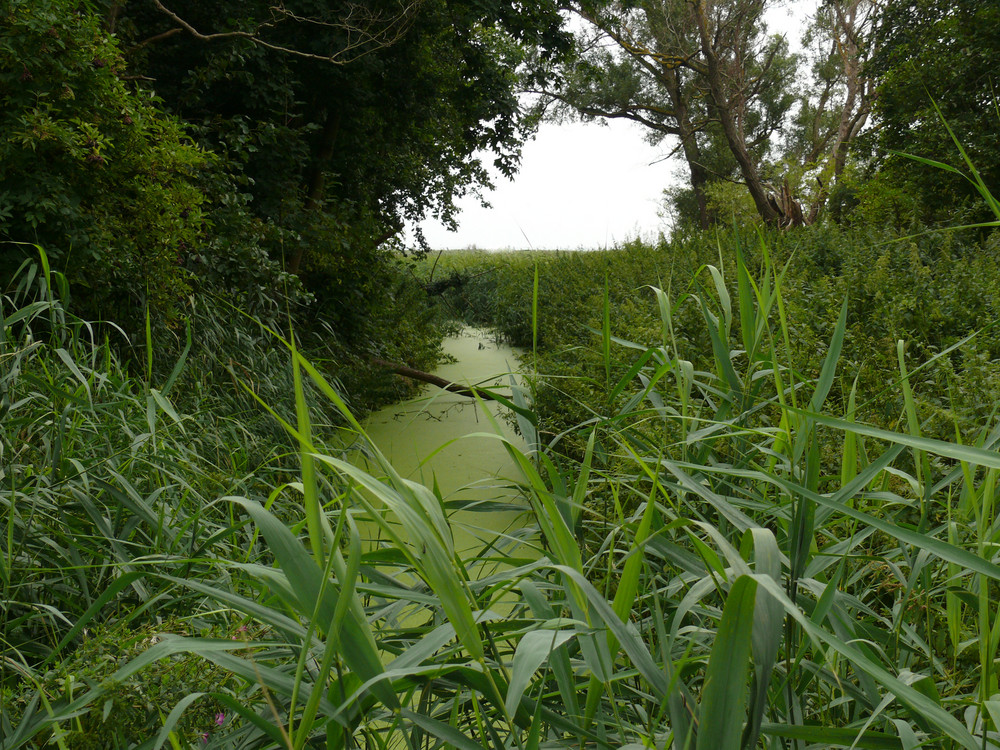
366,31
157,38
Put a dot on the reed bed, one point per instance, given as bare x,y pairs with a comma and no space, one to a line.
720,555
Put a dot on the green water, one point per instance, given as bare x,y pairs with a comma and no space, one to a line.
432,438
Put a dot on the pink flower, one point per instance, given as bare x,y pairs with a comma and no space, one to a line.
220,718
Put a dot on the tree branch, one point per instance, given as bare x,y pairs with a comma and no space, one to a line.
380,32
157,38
426,377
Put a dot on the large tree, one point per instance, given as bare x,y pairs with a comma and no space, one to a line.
936,55
837,104
389,132
338,150
708,73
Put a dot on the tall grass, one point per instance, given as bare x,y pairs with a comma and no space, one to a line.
102,478
699,579
729,558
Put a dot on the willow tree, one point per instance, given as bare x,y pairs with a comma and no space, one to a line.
704,73
838,103
708,73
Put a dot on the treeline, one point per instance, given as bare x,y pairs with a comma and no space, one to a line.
181,162
171,157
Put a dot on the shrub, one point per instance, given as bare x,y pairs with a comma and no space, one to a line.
90,167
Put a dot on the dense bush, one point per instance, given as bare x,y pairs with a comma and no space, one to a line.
92,168
932,291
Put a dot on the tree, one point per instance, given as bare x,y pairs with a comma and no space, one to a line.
337,153
91,169
391,135
935,55
838,104
706,73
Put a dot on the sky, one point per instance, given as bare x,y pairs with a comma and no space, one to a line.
582,185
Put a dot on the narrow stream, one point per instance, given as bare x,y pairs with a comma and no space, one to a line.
425,440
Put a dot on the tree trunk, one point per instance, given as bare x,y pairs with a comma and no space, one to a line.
689,144
426,377
853,22
724,109
316,179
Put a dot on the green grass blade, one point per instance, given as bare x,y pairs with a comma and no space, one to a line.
834,736
173,717
428,532
304,576
532,651
723,699
310,489
970,454
450,736
767,630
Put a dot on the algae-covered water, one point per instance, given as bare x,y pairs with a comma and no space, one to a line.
426,440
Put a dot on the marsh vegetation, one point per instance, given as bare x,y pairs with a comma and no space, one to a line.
754,464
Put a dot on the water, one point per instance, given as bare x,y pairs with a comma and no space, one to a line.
426,440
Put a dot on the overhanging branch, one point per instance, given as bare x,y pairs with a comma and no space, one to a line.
426,377
366,32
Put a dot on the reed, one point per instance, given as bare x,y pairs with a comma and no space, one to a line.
699,579
721,554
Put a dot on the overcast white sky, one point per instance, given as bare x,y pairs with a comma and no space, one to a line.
583,185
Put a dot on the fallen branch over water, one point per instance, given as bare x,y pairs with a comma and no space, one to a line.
426,377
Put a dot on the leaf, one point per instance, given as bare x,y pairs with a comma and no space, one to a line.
304,576
834,736
166,406
723,699
175,715
444,732
532,651
970,454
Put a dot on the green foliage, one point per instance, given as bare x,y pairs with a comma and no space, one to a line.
760,500
90,167
933,291
744,595
132,710
313,136
931,54
658,64
697,577
731,203
103,473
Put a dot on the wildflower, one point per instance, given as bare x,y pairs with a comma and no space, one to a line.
220,718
